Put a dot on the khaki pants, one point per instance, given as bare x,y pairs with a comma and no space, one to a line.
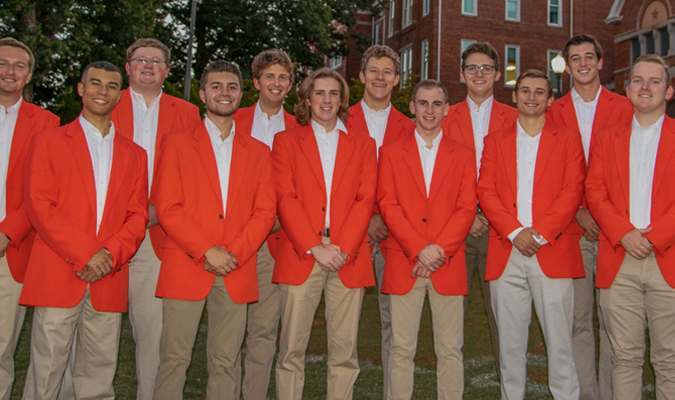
384,303
262,326
227,325
448,329
476,259
640,298
583,335
11,321
343,310
95,357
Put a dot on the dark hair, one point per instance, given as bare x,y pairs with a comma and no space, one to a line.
429,84
104,65
535,73
220,66
581,39
271,57
482,48
303,113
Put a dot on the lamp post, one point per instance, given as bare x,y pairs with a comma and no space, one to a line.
188,65
558,66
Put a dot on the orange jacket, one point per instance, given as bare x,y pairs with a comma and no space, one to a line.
31,119
415,221
60,200
189,206
608,195
301,202
558,188
174,114
457,124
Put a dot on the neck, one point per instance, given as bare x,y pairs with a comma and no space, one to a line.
8,100
648,119
148,93
479,99
327,125
101,122
269,108
224,124
532,125
429,135
376,104
588,91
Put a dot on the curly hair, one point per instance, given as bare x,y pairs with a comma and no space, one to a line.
303,113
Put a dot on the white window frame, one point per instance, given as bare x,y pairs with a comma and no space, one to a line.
506,11
406,13
335,62
424,70
392,16
406,55
549,69
463,44
506,64
560,14
377,33
473,13
426,6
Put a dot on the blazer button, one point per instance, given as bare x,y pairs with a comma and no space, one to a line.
514,205
320,233
323,209
424,220
405,254
221,216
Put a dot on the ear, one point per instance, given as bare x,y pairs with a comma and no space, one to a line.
669,92
412,107
256,84
600,64
202,96
362,77
397,79
550,100
447,109
498,75
80,88
513,97
127,68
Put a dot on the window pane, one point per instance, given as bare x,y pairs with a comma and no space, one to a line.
664,37
468,6
512,12
511,66
425,60
553,17
649,39
554,2
551,75
635,49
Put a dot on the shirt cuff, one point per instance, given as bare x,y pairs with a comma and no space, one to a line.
515,233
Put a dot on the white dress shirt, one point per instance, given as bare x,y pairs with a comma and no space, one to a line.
644,144
585,116
222,149
377,123
101,152
145,126
526,153
265,127
8,119
480,120
428,156
328,145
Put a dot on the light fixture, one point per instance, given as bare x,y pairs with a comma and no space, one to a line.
558,66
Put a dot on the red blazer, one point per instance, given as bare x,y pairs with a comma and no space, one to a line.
189,206
174,114
243,119
457,124
608,195
31,119
60,199
558,188
301,202
414,221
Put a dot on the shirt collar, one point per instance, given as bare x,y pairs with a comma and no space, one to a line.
423,144
13,108
138,98
521,131
576,97
214,131
656,125
367,110
91,130
259,112
320,129
487,104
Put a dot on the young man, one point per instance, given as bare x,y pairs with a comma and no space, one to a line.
427,197
145,114
325,182
632,197
587,108
273,77
380,66
215,199
530,187
86,194
19,121
468,123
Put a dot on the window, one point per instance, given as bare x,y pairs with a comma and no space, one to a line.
424,72
425,7
634,49
406,17
513,10
554,13
465,43
512,65
377,34
392,14
551,75
406,66
470,7
335,62
649,41
664,39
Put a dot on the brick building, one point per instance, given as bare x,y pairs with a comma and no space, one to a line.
526,33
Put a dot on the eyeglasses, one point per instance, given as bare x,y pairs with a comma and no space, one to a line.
149,61
473,69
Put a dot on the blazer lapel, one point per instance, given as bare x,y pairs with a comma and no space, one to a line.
344,155
167,112
547,143
289,121
466,124
126,108
622,158
496,117
120,163
412,159
245,123
510,154
664,152
204,148
569,113
237,168
444,160
311,150
24,123
78,146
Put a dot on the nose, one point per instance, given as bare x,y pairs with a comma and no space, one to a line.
479,72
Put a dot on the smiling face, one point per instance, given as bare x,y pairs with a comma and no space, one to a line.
429,107
480,85
14,70
583,64
649,89
221,94
273,85
379,78
324,101
100,91
147,76
532,97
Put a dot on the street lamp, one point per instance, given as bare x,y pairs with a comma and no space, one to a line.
558,66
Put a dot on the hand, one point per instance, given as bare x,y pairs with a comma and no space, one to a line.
525,242
219,261
152,216
329,257
590,227
480,226
88,275
4,242
101,263
276,226
420,270
636,244
377,231
432,257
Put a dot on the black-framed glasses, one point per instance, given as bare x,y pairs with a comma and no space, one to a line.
473,69
149,61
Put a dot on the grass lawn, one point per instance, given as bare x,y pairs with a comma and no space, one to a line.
480,378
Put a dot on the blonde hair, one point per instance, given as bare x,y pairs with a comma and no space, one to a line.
271,57
303,113
149,42
652,58
380,51
11,42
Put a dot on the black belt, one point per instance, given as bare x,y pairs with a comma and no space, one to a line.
326,232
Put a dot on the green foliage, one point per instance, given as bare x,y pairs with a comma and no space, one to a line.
356,91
